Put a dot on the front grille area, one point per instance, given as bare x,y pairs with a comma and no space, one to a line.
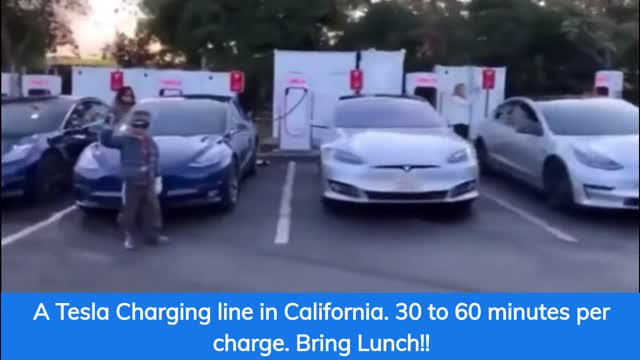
632,202
395,196
407,167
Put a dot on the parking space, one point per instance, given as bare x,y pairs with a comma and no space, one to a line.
280,238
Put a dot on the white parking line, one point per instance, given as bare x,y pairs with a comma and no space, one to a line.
284,221
561,235
8,240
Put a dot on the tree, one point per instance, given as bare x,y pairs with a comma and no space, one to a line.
141,50
30,28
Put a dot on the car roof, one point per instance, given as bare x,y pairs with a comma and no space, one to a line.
570,101
381,96
54,99
178,102
190,97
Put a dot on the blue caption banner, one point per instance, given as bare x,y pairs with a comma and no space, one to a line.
319,326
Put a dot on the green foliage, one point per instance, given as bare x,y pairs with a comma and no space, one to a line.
555,48
30,28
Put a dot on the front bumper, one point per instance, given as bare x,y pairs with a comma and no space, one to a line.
16,179
177,192
13,186
607,189
364,184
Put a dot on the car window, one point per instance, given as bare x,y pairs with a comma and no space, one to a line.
588,118
504,114
236,117
29,118
523,115
386,113
185,118
81,115
240,110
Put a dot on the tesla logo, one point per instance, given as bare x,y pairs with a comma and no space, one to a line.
407,168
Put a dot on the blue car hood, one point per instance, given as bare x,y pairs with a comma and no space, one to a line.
39,140
175,151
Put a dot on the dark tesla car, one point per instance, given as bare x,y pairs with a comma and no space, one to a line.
207,144
42,138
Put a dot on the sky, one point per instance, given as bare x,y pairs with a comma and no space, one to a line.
98,28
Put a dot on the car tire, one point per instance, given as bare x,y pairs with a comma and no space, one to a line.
51,178
558,188
462,208
231,189
483,158
253,163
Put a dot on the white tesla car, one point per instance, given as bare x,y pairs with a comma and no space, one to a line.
387,149
578,151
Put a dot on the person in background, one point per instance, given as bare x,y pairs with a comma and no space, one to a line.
460,111
124,101
139,163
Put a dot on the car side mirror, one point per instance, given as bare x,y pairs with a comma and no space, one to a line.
531,129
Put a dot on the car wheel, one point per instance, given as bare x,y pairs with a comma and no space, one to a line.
51,178
558,187
483,158
253,163
231,190
462,208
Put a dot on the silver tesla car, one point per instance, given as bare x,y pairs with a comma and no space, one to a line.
387,149
578,151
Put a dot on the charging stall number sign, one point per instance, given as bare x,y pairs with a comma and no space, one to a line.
488,79
357,80
117,80
237,81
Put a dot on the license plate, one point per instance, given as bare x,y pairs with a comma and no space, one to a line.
408,183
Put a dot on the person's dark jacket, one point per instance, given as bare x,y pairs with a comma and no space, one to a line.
138,154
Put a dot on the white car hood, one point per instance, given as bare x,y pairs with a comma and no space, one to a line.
393,147
622,149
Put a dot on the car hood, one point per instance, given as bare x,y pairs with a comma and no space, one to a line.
622,149
9,141
175,151
395,147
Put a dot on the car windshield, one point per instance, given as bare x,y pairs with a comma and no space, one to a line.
29,118
386,114
186,117
592,118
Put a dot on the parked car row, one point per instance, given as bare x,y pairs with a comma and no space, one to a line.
390,149
381,149
49,145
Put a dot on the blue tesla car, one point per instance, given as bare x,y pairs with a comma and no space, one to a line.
42,138
207,145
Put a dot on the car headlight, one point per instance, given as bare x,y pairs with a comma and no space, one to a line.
459,156
210,158
596,160
344,157
17,152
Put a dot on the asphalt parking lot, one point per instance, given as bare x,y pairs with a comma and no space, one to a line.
281,239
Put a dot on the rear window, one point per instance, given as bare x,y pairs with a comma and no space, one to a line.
591,118
186,117
386,114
